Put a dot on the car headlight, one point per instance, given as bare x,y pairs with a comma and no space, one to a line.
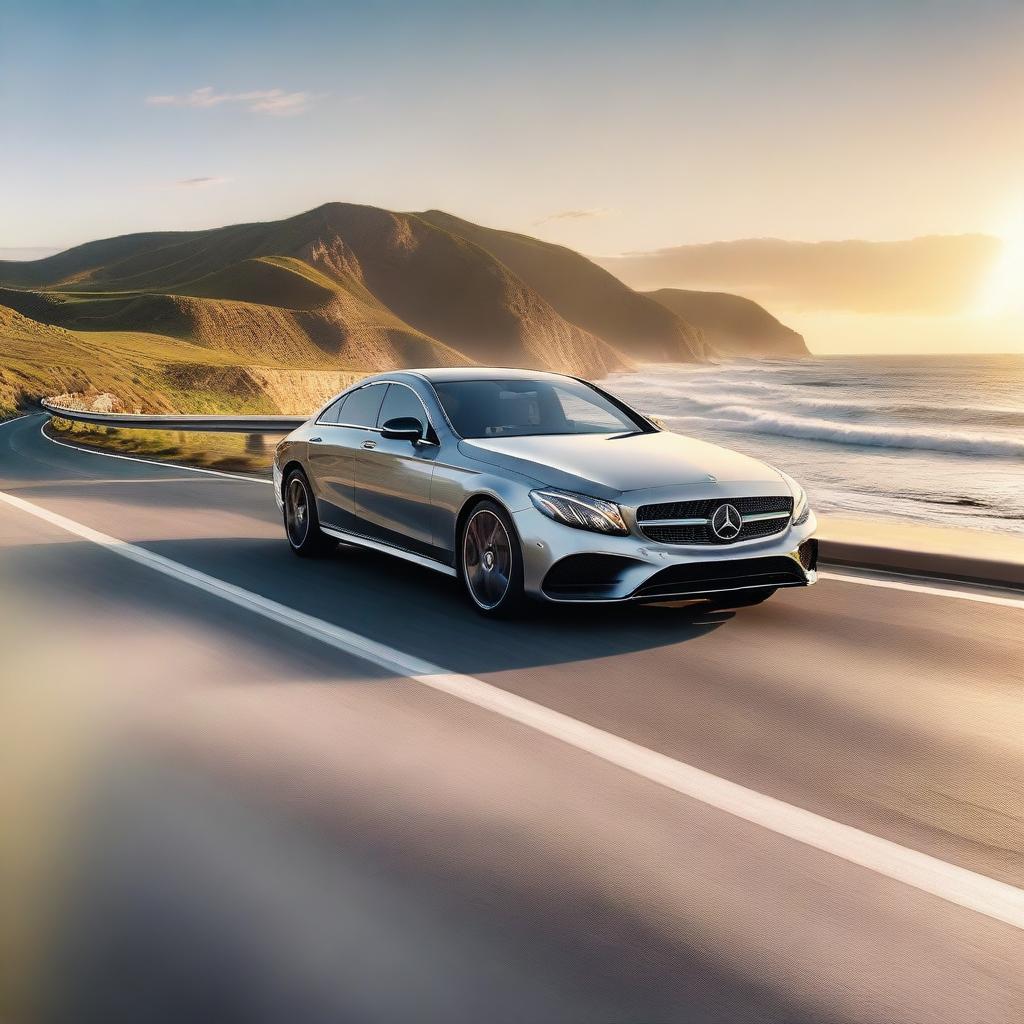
801,506
579,511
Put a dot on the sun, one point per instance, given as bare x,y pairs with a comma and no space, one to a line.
1003,291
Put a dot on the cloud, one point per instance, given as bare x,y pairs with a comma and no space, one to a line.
274,102
601,211
200,182
932,275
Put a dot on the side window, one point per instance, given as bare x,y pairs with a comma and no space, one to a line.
332,414
402,401
362,406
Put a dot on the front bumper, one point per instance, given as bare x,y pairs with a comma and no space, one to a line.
577,566
278,492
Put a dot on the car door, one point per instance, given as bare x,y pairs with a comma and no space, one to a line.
340,431
392,478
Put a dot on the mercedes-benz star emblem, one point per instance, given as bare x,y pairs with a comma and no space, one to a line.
726,522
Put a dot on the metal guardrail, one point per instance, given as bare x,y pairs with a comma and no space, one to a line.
214,424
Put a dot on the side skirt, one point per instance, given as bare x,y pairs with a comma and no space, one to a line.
388,549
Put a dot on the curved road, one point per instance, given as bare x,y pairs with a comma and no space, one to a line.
254,788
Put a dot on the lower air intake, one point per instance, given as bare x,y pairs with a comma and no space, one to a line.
587,577
808,554
713,577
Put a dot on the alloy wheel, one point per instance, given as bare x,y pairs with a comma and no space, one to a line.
296,511
487,558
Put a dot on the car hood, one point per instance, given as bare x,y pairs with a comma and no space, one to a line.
602,463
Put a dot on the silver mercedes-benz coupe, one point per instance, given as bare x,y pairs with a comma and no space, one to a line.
529,484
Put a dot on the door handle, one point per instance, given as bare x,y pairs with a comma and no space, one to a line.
369,444
316,440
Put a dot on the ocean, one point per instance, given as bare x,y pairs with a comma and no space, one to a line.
929,439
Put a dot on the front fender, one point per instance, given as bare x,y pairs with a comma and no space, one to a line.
454,485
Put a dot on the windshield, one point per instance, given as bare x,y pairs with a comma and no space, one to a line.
524,408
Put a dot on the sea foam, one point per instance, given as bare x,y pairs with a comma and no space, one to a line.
747,419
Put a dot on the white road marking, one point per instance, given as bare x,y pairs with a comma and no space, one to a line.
924,588
151,462
957,885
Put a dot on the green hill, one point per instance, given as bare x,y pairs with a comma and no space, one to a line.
338,289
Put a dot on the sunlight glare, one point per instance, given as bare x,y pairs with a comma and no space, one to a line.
1003,291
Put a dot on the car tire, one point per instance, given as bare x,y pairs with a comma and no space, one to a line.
491,561
742,598
301,523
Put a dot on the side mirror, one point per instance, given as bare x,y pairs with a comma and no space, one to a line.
403,428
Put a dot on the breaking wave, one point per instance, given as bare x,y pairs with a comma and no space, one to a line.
786,401
745,419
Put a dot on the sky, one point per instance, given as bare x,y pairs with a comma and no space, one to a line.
608,127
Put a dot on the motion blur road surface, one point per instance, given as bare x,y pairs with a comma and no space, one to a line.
208,815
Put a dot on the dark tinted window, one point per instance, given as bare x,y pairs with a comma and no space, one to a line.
402,401
362,406
332,413
520,408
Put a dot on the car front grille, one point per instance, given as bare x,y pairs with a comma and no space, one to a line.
652,519
677,534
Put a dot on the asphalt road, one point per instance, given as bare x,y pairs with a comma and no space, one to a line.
214,810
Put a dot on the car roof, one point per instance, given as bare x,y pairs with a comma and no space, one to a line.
442,374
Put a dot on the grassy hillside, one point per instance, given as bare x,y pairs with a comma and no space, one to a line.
341,283
268,315
147,371
341,288
732,324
